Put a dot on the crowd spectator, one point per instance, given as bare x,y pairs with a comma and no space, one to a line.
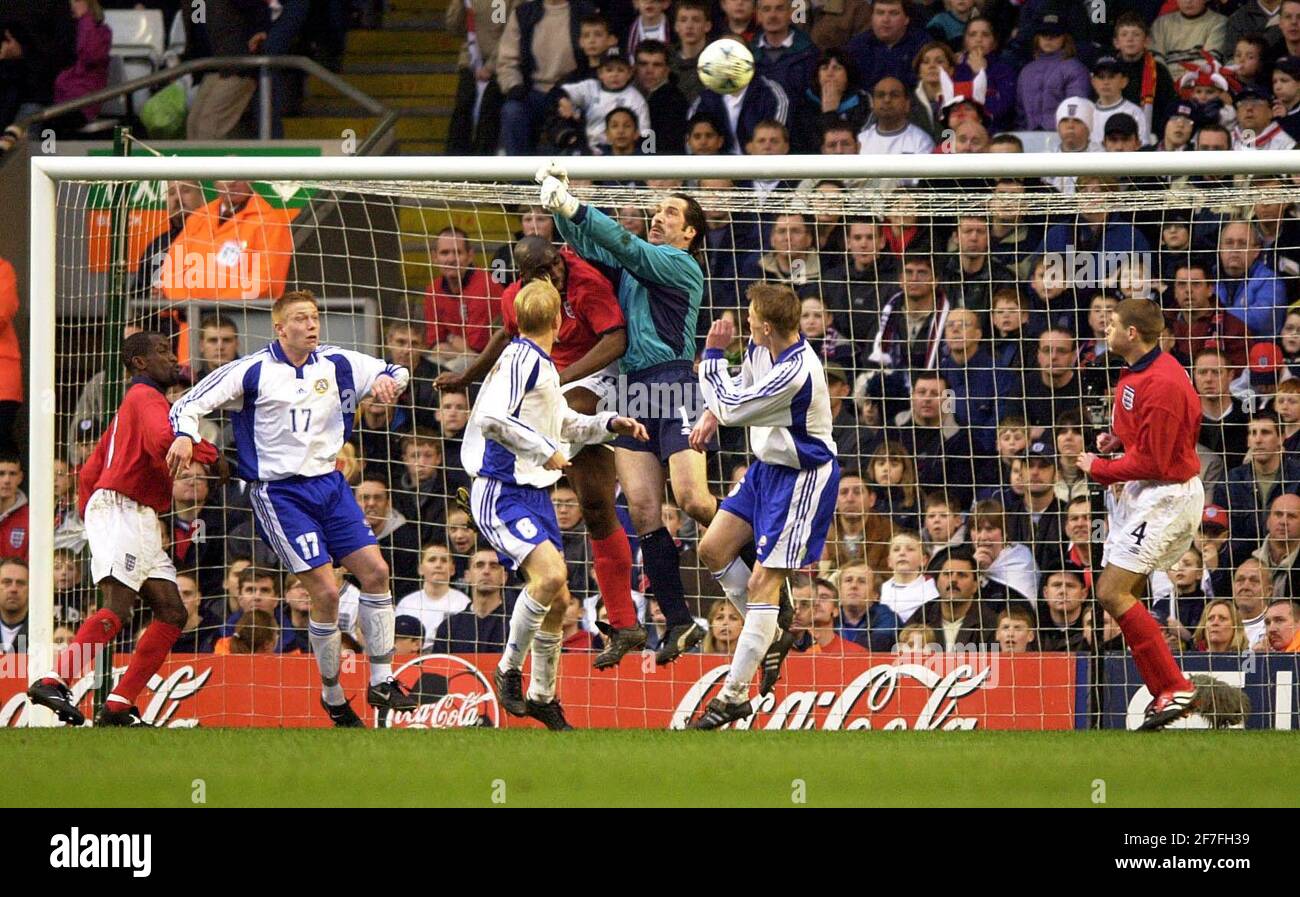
691,27
1065,624
888,47
960,616
1248,288
475,123
783,51
1007,563
666,102
13,606
538,49
15,528
1181,36
1251,488
485,624
200,631
38,39
399,538
463,304
890,129
1220,629
435,599
1252,587
233,28
408,635
816,610
88,73
1053,76
1281,627
724,623
834,97
593,100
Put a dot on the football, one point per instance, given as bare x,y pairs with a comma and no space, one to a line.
725,66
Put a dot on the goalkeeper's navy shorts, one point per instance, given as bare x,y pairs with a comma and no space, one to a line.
666,399
309,521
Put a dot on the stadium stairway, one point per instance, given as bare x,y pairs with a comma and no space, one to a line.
409,65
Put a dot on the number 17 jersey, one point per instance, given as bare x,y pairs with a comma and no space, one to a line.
288,421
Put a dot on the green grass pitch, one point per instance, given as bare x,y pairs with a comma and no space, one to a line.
269,767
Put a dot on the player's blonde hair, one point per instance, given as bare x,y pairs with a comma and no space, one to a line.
293,297
536,307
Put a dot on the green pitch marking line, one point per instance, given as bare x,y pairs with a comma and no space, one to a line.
250,767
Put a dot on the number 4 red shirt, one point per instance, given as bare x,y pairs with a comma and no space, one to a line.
1157,418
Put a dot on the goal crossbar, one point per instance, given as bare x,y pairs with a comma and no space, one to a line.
506,168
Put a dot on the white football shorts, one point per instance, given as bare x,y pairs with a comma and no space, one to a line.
1152,524
125,541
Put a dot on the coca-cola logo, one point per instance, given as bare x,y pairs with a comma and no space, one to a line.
864,703
452,694
167,694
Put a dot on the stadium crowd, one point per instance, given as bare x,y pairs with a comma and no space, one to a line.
968,372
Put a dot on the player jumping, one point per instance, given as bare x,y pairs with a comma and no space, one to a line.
1156,420
787,497
514,448
124,485
660,286
294,403
591,339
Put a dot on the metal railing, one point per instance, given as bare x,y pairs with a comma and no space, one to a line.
263,65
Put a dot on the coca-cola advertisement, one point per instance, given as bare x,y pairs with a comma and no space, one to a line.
864,691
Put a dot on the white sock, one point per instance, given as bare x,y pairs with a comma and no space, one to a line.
327,646
546,667
755,637
525,620
734,579
375,613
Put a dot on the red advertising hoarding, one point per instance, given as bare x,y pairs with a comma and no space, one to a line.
863,691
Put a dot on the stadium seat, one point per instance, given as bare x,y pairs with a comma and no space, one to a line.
139,40
1036,141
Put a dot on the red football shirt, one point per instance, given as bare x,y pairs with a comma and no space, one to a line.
1157,418
590,311
469,314
131,457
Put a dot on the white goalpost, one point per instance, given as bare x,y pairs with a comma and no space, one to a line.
437,192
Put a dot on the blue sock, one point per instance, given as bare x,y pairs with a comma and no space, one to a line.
662,564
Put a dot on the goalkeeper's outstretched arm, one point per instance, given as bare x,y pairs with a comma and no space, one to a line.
594,235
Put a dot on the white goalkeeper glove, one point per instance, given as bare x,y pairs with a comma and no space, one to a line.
552,169
556,198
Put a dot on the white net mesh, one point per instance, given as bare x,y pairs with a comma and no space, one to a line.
961,323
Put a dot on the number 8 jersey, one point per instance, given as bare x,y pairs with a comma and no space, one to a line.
288,421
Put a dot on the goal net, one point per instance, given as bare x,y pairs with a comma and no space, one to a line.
959,309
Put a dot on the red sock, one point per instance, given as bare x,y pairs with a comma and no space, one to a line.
1155,662
150,652
78,658
613,569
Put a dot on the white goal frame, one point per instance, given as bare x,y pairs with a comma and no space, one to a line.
48,172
